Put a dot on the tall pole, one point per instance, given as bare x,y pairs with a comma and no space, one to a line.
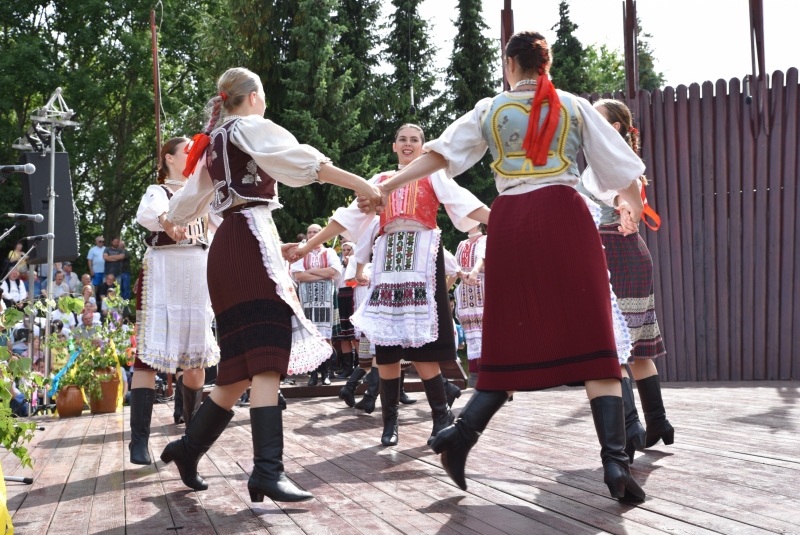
631,29
51,228
156,88
506,31
761,87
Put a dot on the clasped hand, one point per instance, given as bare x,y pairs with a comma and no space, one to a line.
372,199
629,219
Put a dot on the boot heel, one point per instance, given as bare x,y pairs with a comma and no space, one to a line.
166,457
256,496
669,437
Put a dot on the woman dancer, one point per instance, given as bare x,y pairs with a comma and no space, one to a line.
263,332
631,270
470,292
347,335
173,312
550,323
407,315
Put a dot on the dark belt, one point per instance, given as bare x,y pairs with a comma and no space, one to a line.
240,207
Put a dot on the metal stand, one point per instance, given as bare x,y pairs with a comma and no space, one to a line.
15,479
9,231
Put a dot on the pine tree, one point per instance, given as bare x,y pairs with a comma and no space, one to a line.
567,70
649,78
604,70
470,77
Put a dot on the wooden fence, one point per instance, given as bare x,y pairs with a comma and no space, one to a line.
727,263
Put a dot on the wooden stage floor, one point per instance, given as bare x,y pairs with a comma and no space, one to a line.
734,469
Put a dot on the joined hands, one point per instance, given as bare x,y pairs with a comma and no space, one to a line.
373,199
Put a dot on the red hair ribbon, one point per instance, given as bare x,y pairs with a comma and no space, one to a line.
537,141
633,130
199,144
223,95
648,211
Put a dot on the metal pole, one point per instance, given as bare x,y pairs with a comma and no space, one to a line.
51,227
156,88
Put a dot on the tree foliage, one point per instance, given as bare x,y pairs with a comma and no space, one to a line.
567,70
605,70
649,77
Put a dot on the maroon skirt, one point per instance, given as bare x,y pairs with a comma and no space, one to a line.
254,324
345,299
547,317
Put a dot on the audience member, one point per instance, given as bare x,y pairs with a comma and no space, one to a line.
14,290
14,257
125,272
114,256
59,286
70,278
36,352
87,329
97,263
86,282
104,287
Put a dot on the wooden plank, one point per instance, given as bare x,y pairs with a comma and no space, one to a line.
698,236
721,192
761,250
709,234
796,298
684,184
789,211
735,222
108,508
661,186
748,161
775,162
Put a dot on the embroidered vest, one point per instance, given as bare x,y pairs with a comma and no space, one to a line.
316,259
465,254
504,128
197,231
416,201
231,168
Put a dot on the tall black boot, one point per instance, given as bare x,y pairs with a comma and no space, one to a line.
609,421
268,478
367,403
390,405
348,391
454,442
177,408
453,392
437,399
350,361
658,427
404,399
281,401
207,425
323,372
191,402
314,378
141,414
634,430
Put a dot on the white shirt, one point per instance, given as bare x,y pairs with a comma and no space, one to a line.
14,290
331,257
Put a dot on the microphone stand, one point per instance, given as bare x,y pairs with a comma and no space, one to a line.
24,256
9,230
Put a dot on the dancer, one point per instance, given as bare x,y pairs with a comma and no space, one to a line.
407,315
346,336
551,325
173,312
317,275
263,331
470,291
631,268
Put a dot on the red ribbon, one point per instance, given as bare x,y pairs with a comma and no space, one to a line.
199,144
648,211
537,141
223,95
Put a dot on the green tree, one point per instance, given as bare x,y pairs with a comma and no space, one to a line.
649,77
567,70
604,70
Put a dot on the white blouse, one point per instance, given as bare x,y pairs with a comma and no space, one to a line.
331,257
450,264
615,164
275,150
153,204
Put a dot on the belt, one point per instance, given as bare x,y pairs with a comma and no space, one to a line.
240,207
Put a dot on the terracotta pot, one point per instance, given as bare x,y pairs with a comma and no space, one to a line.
110,389
69,402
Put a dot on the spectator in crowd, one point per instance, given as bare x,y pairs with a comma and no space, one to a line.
91,306
70,278
106,307
125,272
39,289
59,357
60,287
87,293
97,263
68,320
113,256
86,282
14,290
14,256
36,352
20,344
5,340
87,329
104,287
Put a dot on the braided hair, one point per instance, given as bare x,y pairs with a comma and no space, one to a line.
616,111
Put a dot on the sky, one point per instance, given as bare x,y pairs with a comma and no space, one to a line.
694,40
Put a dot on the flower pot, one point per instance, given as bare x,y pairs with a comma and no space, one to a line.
110,388
69,402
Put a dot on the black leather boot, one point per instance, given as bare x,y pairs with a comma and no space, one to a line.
455,442
349,360
281,401
207,425
390,405
314,378
453,392
141,414
191,402
177,408
437,399
655,417
324,371
634,430
609,421
367,403
404,399
348,391
268,478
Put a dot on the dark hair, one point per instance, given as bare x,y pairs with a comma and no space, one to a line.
415,127
618,112
170,147
531,51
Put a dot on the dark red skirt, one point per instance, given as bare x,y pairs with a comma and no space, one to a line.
547,315
345,300
254,324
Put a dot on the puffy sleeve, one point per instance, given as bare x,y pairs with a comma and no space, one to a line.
458,201
334,262
297,266
614,164
277,152
450,264
350,270
480,249
153,204
462,143
363,254
351,218
194,199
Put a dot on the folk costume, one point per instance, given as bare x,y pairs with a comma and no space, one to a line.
344,298
173,313
260,322
469,298
553,324
407,314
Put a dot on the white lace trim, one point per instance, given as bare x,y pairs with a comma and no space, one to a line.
195,357
309,348
622,334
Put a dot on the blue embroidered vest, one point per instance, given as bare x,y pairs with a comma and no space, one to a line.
504,127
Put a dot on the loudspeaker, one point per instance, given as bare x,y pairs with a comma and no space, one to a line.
34,198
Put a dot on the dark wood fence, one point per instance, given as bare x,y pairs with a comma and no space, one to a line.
724,179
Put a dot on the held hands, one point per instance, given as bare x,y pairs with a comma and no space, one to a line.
292,252
472,278
176,232
362,279
373,199
629,219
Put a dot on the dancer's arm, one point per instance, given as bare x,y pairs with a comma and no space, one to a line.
329,173
425,165
333,229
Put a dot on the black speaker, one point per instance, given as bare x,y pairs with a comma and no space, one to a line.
34,198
